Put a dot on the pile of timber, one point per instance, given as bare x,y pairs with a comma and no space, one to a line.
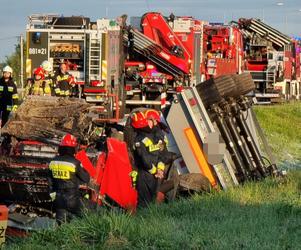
48,119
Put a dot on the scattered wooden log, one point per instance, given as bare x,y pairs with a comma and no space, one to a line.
49,118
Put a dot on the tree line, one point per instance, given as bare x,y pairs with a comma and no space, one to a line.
14,61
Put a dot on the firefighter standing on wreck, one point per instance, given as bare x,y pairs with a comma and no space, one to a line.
67,175
8,95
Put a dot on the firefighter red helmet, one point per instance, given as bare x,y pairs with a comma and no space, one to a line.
139,120
68,141
39,72
153,114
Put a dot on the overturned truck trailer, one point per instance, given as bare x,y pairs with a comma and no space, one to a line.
217,133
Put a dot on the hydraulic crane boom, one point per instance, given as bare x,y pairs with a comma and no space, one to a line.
156,27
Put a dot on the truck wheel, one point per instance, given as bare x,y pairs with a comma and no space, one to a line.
195,182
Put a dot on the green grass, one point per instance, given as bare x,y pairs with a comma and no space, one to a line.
262,215
282,126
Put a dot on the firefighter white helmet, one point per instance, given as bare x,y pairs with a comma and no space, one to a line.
46,65
7,69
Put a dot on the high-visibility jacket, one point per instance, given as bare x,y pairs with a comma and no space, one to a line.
160,137
148,152
9,98
67,173
62,84
38,87
49,84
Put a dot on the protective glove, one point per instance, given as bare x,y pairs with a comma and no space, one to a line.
52,196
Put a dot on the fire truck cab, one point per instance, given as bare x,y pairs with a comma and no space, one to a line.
93,53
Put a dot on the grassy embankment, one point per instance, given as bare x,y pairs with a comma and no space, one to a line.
282,126
263,215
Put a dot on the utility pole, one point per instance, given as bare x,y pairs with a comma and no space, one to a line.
22,61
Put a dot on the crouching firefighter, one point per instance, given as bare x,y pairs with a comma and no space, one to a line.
147,156
160,137
67,175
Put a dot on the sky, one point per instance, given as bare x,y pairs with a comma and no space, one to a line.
283,15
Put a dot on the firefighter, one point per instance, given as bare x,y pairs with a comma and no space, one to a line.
37,85
67,175
63,81
146,154
160,136
49,77
8,95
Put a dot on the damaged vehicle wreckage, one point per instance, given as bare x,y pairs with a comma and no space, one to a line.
206,121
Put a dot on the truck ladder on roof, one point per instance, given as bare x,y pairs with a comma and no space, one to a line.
267,31
190,124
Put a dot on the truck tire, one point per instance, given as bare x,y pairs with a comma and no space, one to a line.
194,182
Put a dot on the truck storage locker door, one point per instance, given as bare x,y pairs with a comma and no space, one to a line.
37,48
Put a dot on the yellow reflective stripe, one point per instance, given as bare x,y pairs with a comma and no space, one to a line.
10,89
61,170
48,81
153,147
147,142
165,140
37,88
57,90
62,166
134,175
8,108
64,93
15,108
47,90
15,96
61,174
153,170
1,88
62,78
161,166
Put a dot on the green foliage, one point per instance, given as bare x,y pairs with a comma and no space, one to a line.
14,61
